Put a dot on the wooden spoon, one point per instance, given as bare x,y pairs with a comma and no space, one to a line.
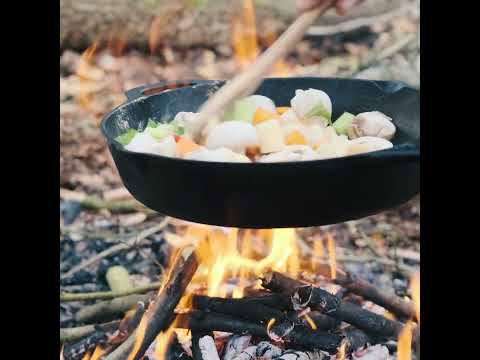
247,82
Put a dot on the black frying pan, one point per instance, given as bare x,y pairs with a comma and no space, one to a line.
272,195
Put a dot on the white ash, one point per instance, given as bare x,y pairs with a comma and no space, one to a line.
300,355
250,353
208,348
268,351
235,345
377,352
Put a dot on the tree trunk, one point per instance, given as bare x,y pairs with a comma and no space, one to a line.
150,23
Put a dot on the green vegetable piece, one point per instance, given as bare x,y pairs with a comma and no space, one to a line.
241,110
320,110
179,130
343,122
161,131
151,124
125,138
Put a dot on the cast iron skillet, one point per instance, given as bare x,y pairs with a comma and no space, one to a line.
297,194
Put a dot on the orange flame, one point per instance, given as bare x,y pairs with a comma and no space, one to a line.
332,257
87,356
318,252
415,290
139,335
270,323
245,41
220,257
245,45
162,341
84,72
310,322
97,353
404,345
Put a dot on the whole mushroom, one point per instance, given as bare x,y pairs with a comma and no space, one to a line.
310,103
373,123
234,135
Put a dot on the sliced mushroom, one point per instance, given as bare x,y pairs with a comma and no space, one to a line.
368,144
373,123
216,155
291,153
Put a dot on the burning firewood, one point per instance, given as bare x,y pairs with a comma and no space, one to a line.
318,299
159,316
301,336
77,350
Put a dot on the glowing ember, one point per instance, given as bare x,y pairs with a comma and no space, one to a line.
310,322
332,258
270,323
404,346
341,351
415,289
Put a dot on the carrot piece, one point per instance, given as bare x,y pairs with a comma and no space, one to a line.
185,145
295,138
262,115
282,109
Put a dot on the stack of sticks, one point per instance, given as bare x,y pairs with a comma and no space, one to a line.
286,319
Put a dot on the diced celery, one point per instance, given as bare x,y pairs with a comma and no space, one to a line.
343,122
320,110
240,110
125,138
161,131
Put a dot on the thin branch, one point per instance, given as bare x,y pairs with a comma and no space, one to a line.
356,23
131,242
102,295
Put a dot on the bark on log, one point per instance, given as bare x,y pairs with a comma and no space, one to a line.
181,24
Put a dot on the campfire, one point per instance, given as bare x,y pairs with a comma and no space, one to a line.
243,294
223,298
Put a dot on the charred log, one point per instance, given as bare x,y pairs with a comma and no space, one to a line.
369,292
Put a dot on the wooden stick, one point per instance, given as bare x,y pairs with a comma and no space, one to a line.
105,295
247,82
160,314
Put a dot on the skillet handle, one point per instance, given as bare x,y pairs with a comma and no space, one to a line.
161,86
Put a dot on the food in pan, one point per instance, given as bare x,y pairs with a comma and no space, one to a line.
255,129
